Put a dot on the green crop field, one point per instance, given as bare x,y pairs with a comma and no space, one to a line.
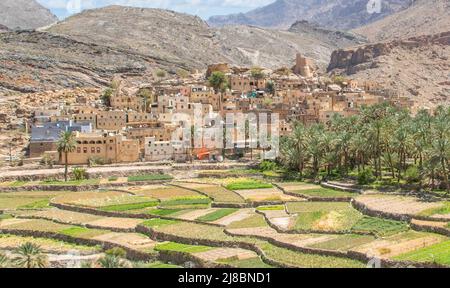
216,215
437,253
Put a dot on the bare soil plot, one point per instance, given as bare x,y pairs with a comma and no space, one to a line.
406,205
194,214
130,240
312,190
280,218
162,192
399,244
95,199
239,215
226,253
323,216
9,242
26,200
216,192
32,224
266,194
432,223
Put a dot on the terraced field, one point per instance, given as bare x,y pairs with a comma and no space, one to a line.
228,222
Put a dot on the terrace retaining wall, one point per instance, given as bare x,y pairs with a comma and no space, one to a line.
314,198
431,229
131,253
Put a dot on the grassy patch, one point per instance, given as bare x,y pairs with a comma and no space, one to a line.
379,226
81,232
157,222
271,208
220,194
324,216
149,177
443,210
17,183
245,263
325,193
71,182
158,265
130,206
163,212
437,253
344,242
113,179
249,222
172,246
40,204
248,184
216,215
186,202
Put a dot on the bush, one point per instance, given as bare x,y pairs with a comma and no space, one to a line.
267,165
117,252
79,174
412,175
47,160
96,161
365,177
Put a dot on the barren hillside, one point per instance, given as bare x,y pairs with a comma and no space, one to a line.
417,67
24,14
423,17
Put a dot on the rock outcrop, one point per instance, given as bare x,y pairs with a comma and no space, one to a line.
417,67
25,14
338,14
424,17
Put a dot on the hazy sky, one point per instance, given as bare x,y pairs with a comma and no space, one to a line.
202,8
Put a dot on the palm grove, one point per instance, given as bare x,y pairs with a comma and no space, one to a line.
382,143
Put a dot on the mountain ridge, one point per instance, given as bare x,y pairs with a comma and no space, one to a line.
25,14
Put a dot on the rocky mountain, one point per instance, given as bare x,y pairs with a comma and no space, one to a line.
89,48
37,61
25,14
423,17
416,67
338,14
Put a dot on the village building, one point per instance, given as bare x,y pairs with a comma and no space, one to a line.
108,147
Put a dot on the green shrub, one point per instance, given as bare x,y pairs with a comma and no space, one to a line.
365,177
79,174
117,252
267,165
149,177
113,179
47,160
96,161
412,175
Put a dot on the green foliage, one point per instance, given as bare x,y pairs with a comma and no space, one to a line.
79,174
117,252
271,208
248,184
268,165
380,227
178,247
149,177
437,253
48,161
129,206
412,175
96,161
216,215
257,73
157,222
106,96
365,177
218,80
161,74
30,255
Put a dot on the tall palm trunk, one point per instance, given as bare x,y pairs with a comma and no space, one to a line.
66,167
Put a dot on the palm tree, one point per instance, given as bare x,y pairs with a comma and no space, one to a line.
66,144
112,261
4,261
30,256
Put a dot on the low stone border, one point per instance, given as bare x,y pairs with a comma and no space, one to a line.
431,229
160,236
131,253
341,188
314,198
97,212
389,215
297,231
79,188
181,258
113,229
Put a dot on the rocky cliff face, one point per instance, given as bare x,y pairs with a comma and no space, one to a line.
417,67
342,15
25,14
421,18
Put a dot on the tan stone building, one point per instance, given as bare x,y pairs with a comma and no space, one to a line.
111,148
111,120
